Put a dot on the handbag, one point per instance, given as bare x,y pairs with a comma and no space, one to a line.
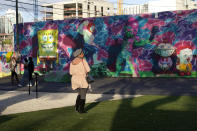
89,78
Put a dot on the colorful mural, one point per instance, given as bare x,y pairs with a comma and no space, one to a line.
128,45
5,58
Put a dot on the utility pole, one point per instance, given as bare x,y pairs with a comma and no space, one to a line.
45,14
35,10
17,31
17,36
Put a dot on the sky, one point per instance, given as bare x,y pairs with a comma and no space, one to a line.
28,15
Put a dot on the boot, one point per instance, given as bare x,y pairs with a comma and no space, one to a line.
81,106
77,103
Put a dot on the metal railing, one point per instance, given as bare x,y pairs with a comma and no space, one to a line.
36,84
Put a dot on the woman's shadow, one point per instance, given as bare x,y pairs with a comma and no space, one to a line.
108,95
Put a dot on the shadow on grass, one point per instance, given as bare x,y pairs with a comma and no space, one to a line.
91,106
30,121
151,117
108,95
148,116
5,119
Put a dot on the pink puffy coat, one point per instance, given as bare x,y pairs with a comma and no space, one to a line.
78,69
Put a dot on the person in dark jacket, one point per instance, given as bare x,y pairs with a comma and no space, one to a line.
25,76
30,69
13,66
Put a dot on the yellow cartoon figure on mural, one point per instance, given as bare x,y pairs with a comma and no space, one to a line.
47,41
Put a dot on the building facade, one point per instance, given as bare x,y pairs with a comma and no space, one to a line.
159,6
8,20
77,9
134,9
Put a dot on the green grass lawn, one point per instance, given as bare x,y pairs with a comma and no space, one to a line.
146,113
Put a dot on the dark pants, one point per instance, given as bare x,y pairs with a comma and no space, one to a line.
30,76
13,74
82,92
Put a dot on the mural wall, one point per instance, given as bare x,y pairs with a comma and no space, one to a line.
5,58
146,45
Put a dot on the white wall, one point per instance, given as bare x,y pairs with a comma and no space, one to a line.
58,11
133,9
98,5
161,5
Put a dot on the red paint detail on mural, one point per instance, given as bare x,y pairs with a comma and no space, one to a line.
66,42
66,67
50,26
167,37
194,25
116,29
90,26
102,54
137,52
183,45
133,23
144,65
26,43
153,22
112,67
110,42
146,15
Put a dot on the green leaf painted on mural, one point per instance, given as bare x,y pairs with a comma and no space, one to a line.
129,34
141,42
99,70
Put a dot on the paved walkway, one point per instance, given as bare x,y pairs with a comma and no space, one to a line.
130,86
12,102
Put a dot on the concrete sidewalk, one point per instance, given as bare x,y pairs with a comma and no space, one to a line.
12,102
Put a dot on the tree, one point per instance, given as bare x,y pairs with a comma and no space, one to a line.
6,42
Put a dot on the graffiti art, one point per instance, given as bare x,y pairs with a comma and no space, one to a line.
137,45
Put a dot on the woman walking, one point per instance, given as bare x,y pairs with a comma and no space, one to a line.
79,69
13,66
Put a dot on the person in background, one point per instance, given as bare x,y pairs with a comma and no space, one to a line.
79,69
13,66
25,77
30,70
